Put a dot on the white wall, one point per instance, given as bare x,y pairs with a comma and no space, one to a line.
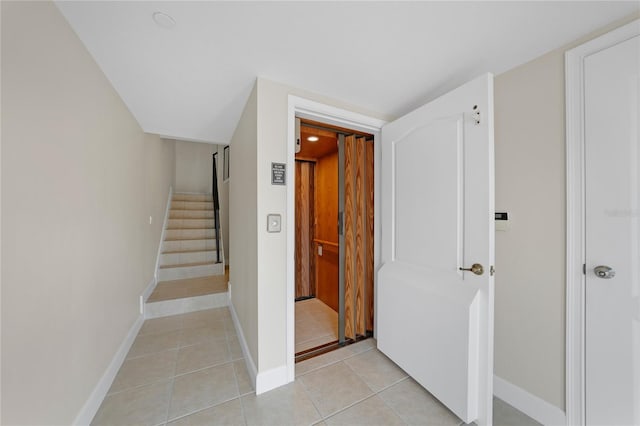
530,256
160,164
79,182
193,166
272,250
258,284
530,282
243,222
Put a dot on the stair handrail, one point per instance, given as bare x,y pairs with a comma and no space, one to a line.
216,205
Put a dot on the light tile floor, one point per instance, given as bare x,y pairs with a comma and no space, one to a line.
188,370
316,324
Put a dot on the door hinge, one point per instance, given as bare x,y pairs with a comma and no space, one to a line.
584,269
492,270
340,222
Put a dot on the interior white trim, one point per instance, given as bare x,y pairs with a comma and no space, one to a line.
91,406
575,255
534,407
317,111
146,293
164,227
271,379
251,366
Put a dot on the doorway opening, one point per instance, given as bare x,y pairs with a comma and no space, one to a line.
334,237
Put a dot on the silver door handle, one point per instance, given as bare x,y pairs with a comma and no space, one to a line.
604,272
476,268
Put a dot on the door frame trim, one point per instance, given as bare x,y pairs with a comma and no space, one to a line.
306,108
575,198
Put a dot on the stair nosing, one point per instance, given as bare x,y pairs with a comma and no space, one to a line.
193,218
193,229
190,239
188,265
194,278
189,251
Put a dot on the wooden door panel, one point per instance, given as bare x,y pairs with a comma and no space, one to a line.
369,247
349,238
360,207
304,232
358,230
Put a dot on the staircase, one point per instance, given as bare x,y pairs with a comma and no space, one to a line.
189,247
189,275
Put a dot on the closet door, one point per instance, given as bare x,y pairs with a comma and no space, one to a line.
304,260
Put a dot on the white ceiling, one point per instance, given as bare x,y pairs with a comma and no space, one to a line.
192,81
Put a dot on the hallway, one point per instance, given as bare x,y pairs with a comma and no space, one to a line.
189,370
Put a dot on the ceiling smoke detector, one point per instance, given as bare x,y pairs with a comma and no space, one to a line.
163,20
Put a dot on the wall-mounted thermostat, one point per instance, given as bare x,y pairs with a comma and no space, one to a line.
502,221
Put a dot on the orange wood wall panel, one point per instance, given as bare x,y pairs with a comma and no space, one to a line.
349,238
327,269
326,229
326,198
360,252
369,235
304,261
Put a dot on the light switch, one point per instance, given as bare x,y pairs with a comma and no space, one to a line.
319,250
273,222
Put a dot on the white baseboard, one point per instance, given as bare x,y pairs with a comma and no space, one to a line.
271,379
148,290
534,407
251,366
91,406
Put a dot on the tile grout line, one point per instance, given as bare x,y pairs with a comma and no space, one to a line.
347,407
182,416
195,371
176,374
374,393
393,384
393,410
306,391
242,409
173,380
231,361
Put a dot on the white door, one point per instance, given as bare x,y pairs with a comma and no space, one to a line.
612,215
434,320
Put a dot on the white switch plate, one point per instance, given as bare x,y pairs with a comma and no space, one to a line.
273,222
502,225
